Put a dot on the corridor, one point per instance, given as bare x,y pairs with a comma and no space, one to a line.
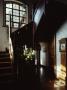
33,78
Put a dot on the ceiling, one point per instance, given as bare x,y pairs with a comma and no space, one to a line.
29,2
32,2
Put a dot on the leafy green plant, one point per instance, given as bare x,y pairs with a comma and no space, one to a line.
28,53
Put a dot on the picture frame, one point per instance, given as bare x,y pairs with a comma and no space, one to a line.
62,47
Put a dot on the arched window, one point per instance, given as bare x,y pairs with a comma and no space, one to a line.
18,13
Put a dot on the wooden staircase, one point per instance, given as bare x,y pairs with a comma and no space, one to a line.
6,67
5,57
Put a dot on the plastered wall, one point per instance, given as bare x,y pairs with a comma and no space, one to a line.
3,30
62,33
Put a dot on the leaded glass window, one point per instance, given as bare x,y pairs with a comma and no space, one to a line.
18,13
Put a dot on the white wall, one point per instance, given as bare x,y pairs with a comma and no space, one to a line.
43,58
43,54
1,13
3,30
62,33
3,35
3,39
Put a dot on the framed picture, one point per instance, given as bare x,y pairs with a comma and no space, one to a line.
62,47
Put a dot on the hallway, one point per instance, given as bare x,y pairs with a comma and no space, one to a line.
33,78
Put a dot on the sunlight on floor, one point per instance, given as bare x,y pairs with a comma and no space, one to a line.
59,83
61,71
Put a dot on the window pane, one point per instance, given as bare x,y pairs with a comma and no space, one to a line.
25,20
22,20
16,12
15,6
22,8
23,14
9,5
15,19
8,11
8,23
16,25
8,17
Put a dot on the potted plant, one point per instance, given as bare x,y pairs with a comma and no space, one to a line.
29,55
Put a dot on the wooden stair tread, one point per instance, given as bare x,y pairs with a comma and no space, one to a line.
4,57
4,54
7,67
5,62
7,74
